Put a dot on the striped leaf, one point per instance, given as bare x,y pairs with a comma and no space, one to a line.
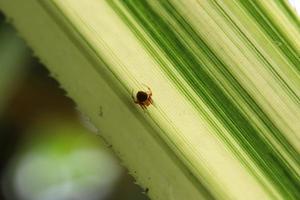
225,78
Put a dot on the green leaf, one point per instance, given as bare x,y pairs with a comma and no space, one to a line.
224,123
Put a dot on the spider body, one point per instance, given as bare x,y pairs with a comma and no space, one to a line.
143,98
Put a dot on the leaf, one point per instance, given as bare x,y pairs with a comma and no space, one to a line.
225,79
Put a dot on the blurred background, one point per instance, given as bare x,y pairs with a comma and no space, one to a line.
46,151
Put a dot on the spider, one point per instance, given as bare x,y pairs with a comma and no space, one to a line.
143,98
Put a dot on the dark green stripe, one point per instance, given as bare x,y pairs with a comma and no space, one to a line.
272,31
247,41
293,17
194,70
247,98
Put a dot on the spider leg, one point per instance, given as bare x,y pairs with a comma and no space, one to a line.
144,107
150,99
150,91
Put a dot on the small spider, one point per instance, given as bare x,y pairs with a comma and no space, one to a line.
143,98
